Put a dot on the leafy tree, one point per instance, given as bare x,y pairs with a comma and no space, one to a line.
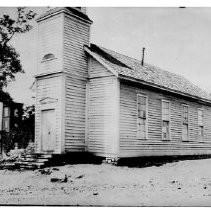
28,122
5,97
9,58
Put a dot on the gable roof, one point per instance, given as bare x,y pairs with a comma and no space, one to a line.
129,67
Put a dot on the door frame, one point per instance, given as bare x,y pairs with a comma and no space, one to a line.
46,104
42,140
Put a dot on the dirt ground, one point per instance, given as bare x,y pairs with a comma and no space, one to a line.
184,183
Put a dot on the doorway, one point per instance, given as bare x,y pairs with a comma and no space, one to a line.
48,120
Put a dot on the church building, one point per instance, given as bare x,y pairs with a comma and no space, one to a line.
91,99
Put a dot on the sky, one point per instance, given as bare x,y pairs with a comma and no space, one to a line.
177,40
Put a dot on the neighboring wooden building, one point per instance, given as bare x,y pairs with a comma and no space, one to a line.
11,115
90,99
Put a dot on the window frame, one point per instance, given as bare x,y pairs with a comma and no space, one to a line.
5,121
201,138
8,111
146,127
44,59
6,118
185,105
162,119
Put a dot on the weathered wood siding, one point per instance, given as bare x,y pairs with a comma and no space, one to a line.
154,145
75,107
76,35
103,112
97,70
49,89
50,35
64,35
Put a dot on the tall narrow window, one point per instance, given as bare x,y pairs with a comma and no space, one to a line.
184,122
200,124
165,120
142,117
6,111
6,119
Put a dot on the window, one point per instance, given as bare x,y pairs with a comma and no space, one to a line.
6,116
6,124
200,124
49,56
16,113
184,122
142,117
165,120
6,111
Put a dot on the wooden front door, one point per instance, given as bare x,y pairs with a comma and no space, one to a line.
48,130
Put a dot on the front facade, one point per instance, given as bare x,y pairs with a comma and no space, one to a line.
61,81
90,99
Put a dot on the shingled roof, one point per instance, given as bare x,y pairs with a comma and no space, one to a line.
131,68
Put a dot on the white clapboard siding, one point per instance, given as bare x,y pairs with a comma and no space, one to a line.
76,35
50,35
48,88
103,112
75,103
64,36
97,70
130,146
103,123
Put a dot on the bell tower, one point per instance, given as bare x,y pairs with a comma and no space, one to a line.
61,80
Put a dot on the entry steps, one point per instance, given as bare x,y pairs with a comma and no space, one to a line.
34,161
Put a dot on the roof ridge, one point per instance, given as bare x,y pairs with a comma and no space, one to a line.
179,81
116,52
108,56
157,67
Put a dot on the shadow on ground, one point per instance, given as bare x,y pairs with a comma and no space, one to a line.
141,162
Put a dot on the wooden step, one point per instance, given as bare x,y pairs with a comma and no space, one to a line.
25,163
9,166
30,156
38,165
28,160
29,167
42,160
33,161
44,156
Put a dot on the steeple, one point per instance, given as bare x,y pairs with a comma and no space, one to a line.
76,11
61,78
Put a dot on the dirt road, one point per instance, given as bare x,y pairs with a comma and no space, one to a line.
185,183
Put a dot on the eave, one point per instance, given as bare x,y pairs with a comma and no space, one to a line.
66,11
149,84
164,89
100,61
